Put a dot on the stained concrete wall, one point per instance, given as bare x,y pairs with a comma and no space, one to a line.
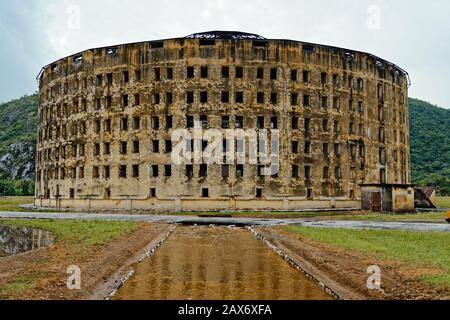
365,110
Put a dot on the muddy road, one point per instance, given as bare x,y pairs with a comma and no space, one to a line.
217,263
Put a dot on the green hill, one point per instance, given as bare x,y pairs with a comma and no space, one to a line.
430,145
430,142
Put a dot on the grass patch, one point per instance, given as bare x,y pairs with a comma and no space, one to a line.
75,239
415,248
24,283
78,234
12,204
425,216
443,202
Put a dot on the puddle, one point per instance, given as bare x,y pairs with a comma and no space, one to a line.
15,240
217,263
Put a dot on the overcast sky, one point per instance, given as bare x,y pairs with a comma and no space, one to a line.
413,34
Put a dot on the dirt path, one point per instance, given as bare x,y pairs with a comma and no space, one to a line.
50,266
347,272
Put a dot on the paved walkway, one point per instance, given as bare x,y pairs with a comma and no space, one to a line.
231,221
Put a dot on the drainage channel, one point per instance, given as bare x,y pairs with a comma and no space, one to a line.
216,263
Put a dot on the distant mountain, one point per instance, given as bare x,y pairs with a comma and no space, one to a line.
18,123
430,141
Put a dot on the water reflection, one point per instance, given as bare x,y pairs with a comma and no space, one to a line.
217,263
15,240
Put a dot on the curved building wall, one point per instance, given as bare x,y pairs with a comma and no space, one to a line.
107,115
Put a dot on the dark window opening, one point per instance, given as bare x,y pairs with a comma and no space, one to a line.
99,80
239,122
274,123
239,171
203,97
225,171
294,75
137,99
326,173
95,172
136,147
156,98
295,147
306,76
306,100
155,123
205,192
123,171
135,171
106,172
123,147
168,146
307,147
203,170
124,124
259,193
109,78
239,97
157,74
260,97
260,122
190,72
294,99
307,172
169,122
169,98
204,72
260,73
295,171
155,171
169,73
189,171
136,123
324,78
239,72
274,98
294,123
126,76
225,97
225,122
190,122
155,146
204,121
190,97
225,72
153,192
168,170
273,74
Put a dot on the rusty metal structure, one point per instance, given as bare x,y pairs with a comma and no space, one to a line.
106,117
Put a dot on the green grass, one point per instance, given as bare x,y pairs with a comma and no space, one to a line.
81,234
415,248
76,238
425,217
23,283
12,203
443,202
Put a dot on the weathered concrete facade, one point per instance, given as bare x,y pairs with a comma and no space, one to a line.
107,115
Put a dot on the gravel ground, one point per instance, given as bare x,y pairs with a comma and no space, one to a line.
439,227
